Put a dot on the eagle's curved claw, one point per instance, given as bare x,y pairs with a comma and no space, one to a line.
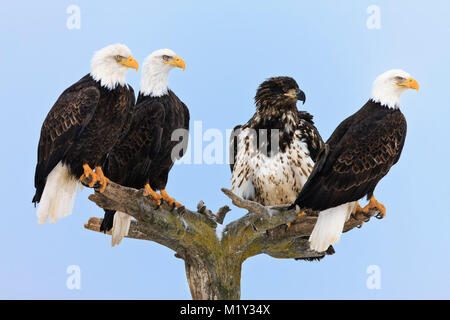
358,214
172,207
288,225
380,215
171,201
302,214
148,191
367,215
374,204
89,178
102,180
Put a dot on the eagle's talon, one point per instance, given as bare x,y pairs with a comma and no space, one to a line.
102,187
87,181
96,185
149,192
170,201
358,214
367,215
102,181
301,214
374,204
380,216
89,178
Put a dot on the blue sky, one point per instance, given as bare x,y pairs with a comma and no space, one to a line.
229,48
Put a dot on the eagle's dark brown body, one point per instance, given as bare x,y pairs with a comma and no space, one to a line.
82,127
144,155
357,156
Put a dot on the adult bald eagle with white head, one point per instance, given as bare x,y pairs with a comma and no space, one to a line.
143,158
80,129
359,153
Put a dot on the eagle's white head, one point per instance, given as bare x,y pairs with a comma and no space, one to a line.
389,86
155,72
110,65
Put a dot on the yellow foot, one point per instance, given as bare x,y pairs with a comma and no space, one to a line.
102,180
374,204
301,214
359,215
150,192
89,177
171,201
358,208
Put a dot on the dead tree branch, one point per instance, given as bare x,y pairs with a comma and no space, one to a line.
213,253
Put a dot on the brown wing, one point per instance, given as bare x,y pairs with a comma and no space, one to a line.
234,146
66,120
185,140
129,161
129,116
310,134
359,153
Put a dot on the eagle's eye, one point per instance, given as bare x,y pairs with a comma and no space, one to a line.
166,58
399,79
118,58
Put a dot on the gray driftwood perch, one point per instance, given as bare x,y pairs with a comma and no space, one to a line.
213,254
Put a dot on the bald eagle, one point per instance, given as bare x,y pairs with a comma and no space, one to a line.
80,129
143,157
357,156
274,152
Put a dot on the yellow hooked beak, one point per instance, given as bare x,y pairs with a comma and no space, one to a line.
410,83
177,62
130,62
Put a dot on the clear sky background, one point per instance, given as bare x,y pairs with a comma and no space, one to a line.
229,48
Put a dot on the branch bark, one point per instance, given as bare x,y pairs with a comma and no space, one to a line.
214,253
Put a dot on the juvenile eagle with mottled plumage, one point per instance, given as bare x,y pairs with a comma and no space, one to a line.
273,154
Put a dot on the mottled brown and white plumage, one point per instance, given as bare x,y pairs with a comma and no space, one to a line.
273,153
359,153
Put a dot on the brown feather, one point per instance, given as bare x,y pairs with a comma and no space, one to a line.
362,149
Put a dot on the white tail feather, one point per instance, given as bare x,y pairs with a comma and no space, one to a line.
329,226
120,228
58,196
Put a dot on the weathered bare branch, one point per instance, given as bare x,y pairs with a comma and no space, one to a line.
213,253
268,228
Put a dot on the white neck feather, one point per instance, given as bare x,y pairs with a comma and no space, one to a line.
154,82
388,98
386,91
155,74
109,77
104,67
